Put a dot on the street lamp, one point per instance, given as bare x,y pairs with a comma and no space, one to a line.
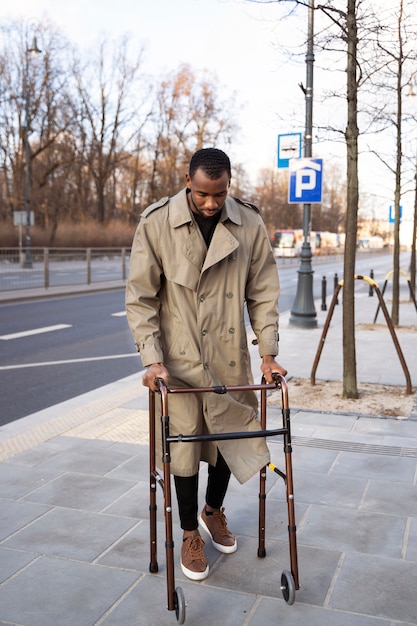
303,313
30,52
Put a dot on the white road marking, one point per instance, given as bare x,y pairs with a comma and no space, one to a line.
35,331
68,361
120,314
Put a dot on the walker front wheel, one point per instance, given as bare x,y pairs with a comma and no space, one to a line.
179,600
288,587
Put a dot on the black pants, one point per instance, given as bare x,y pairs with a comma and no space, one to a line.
187,492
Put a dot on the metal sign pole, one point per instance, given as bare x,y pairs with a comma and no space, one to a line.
303,313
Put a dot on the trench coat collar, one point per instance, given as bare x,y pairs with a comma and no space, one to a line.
179,213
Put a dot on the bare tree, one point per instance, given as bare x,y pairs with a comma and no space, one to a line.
396,44
105,138
271,196
188,114
106,90
34,113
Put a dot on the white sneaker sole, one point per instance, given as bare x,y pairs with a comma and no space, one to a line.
194,575
220,547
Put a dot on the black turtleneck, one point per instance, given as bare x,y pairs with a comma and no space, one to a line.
207,225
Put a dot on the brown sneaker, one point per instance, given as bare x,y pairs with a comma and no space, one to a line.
193,561
216,526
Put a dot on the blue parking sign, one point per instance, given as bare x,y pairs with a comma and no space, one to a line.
305,181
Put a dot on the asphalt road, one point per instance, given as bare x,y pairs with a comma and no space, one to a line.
54,349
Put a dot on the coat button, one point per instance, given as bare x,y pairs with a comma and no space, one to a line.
232,363
231,331
229,294
203,333
201,298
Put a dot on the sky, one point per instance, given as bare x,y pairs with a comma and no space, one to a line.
234,39
245,45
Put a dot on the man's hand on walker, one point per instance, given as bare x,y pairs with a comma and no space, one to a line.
153,371
270,366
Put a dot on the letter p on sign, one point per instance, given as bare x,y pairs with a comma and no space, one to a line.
305,181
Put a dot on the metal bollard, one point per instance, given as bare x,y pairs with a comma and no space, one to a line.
323,294
371,289
336,282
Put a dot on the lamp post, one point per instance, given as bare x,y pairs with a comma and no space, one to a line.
412,94
30,52
303,313
413,242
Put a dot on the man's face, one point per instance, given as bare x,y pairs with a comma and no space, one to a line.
207,196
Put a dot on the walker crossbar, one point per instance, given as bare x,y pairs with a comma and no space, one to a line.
289,579
226,436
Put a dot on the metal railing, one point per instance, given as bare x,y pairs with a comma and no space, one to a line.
58,267
54,267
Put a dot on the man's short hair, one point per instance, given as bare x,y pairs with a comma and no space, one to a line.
212,161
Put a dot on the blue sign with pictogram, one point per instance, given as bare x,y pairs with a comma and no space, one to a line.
289,147
305,181
391,215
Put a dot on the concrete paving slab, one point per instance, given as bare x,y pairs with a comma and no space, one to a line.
76,535
51,591
277,612
353,531
377,586
17,481
146,606
14,515
74,488
316,488
391,497
11,561
80,491
93,456
375,466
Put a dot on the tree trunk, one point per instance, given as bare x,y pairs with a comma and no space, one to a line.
350,389
395,315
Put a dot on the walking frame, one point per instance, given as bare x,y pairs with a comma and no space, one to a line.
289,579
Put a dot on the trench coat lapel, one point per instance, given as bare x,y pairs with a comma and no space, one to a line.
223,242
222,245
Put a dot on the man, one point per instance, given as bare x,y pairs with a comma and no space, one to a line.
197,259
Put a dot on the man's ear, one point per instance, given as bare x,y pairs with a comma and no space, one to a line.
188,181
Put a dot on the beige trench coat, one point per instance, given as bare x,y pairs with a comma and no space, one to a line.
185,308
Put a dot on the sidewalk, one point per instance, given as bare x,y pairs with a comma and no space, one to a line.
74,535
